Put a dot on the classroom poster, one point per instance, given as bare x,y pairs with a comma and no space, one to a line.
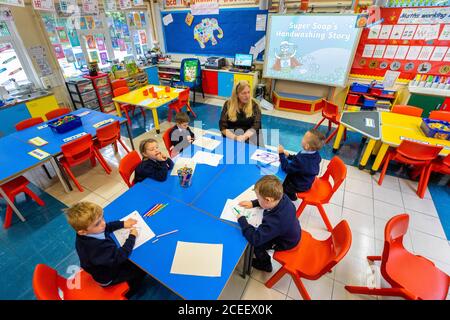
125,29
83,23
100,42
59,53
138,49
79,57
73,38
437,15
90,6
90,41
38,54
98,22
49,22
103,57
90,22
138,3
121,44
143,36
137,20
189,19
93,55
17,3
125,4
67,6
45,5
143,20
109,5
69,55
62,34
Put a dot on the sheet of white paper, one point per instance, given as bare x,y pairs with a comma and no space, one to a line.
369,122
197,259
368,50
248,195
408,32
374,32
157,89
183,162
401,52
168,19
261,22
147,101
254,215
425,53
207,143
144,231
385,31
266,157
421,32
390,77
379,51
413,52
438,53
397,31
259,46
390,52
433,32
445,34
83,113
207,158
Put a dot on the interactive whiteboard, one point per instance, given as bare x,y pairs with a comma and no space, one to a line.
315,48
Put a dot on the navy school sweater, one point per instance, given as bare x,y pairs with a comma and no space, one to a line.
279,225
157,170
301,169
179,137
102,258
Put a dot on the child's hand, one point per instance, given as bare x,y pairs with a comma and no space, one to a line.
240,138
280,149
286,153
189,139
129,223
163,157
246,204
134,232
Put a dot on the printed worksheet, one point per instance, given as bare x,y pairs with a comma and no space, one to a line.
445,34
232,208
144,231
374,32
266,157
397,31
413,52
368,50
390,52
379,51
207,158
206,143
385,31
438,53
401,53
408,32
38,141
425,53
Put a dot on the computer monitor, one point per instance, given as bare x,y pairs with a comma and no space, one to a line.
243,60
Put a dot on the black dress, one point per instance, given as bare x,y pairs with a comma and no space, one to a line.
242,123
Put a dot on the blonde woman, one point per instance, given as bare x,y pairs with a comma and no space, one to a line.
241,116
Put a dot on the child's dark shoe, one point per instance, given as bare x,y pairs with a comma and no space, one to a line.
267,267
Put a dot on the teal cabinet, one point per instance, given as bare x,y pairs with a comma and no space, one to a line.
9,116
225,83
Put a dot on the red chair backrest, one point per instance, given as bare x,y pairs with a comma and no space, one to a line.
127,166
440,115
183,98
446,160
329,110
340,242
119,83
120,91
338,172
57,113
28,123
108,134
418,151
79,150
407,110
46,283
166,139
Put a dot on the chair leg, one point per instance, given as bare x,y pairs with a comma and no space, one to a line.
331,136
116,149
345,134
8,215
383,171
70,173
46,172
143,113
34,197
423,182
169,115
190,109
123,145
127,116
375,291
276,277
93,162
324,217
102,161
298,282
329,125
318,124
301,208
374,258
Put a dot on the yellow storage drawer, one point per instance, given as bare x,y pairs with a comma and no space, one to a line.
39,107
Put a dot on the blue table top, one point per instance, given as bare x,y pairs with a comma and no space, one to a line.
194,226
56,140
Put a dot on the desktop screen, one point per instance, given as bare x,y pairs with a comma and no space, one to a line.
243,60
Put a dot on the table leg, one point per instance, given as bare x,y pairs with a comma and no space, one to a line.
11,203
377,147
155,119
117,105
337,141
380,156
366,154
61,175
130,136
249,261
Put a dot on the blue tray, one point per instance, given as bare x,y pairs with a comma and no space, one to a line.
75,123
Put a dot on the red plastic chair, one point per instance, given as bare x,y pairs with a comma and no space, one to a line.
312,258
412,153
410,276
47,283
126,107
22,125
177,106
79,151
107,135
12,189
321,191
167,141
330,112
440,115
127,166
440,165
119,83
407,110
57,113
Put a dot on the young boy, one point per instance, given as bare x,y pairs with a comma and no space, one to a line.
181,135
280,228
302,168
154,165
97,251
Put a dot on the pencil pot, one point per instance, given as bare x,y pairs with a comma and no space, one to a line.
185,177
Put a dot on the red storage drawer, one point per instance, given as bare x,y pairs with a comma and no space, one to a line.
210,82
352,98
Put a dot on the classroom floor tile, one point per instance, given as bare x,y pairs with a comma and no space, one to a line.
359,187
387,195
255,290
356,202
359,222
413,202
320,289
339,293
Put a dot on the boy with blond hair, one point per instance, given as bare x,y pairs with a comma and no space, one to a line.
303,167
97,251
279,229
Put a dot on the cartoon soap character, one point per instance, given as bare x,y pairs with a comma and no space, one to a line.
285,59
204,31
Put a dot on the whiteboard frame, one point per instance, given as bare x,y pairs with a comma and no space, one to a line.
353,51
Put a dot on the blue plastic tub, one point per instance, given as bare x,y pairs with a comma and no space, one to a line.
359,87
64,127
368,102
437,133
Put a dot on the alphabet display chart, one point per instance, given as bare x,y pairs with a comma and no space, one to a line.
404,41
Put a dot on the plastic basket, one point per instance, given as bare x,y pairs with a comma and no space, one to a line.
59,126
441,131
352,98
369,102
359,87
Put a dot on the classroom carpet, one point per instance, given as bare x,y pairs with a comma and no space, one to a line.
47,238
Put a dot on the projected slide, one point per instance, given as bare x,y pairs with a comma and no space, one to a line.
311,48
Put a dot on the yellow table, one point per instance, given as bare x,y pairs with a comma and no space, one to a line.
137,98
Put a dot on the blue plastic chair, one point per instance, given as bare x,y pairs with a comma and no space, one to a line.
184,80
